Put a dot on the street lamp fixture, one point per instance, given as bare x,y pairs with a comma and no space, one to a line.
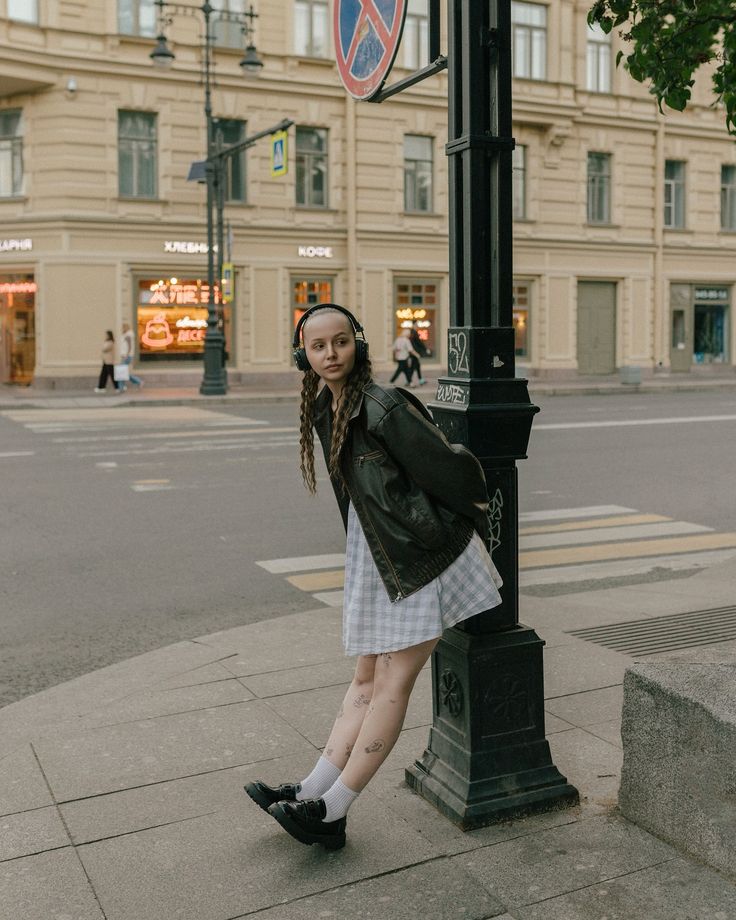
214,382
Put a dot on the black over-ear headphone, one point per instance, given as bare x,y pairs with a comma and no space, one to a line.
300,354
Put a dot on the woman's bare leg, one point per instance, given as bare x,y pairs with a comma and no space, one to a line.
395,674
351,713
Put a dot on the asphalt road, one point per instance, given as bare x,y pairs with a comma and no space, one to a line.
126,530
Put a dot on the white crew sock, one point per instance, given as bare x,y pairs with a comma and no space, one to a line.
319,780
338,799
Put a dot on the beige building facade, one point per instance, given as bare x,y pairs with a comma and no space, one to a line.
625,230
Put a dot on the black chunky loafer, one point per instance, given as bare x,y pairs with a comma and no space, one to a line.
265,796
303,820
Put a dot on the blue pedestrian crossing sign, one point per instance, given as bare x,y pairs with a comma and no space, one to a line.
279,154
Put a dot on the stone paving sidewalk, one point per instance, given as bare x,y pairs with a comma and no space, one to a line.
285,387
121,791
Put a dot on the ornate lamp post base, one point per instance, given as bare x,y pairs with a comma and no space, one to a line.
214,381
487,758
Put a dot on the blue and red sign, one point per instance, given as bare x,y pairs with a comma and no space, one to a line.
367,35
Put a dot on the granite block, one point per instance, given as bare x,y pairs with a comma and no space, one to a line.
31,832
22,785
144,807
233,863
579,667
138,753
588,707
592,765
673,890
293,680
50,886
679,741
436,890
536,867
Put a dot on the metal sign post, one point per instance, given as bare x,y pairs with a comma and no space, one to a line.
487,757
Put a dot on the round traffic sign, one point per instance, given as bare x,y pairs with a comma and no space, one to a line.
367,35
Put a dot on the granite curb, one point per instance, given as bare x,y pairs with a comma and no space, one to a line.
121,791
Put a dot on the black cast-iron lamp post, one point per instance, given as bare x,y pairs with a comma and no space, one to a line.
214,381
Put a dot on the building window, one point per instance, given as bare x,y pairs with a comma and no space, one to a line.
728,197
598,73
415,37
23,10
11,154
308,292
311,28
232,131
311,167
674,193
137,154
417,173
599,188
416,305
521,318
529,40
227,32
518,182
136,17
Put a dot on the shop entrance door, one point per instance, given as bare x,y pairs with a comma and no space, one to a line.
709,334
17,329
596,327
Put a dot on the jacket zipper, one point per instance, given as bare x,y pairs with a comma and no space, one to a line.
371,456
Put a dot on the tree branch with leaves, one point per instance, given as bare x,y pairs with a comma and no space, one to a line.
669,40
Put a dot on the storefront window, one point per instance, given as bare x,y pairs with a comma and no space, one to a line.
416,305
17,328
172,319
709,330
521,318
307,292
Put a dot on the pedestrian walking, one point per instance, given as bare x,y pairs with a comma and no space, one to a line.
108,364
126,355
415,509
402,354
420,351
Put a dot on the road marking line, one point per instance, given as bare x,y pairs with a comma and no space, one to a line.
624,423
561,514
598,571
548,557
331,598
18,453
317,581
622,519
606,534
191,448
302,563
204,434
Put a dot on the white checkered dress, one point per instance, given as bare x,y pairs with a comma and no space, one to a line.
372,624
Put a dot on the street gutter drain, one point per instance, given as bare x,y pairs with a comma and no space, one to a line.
656,635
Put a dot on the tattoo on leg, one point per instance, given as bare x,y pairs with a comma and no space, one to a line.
393,701
341,712
348,749
361,700
328,752
371,708
376,746
387,656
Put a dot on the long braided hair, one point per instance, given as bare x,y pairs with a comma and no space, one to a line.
360,376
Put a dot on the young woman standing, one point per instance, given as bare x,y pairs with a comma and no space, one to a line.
415,511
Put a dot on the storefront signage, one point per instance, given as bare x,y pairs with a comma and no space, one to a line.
16,245
711,293
409,313
314,252
189,247
171,293
18,287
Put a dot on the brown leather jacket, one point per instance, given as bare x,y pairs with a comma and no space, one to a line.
418,498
